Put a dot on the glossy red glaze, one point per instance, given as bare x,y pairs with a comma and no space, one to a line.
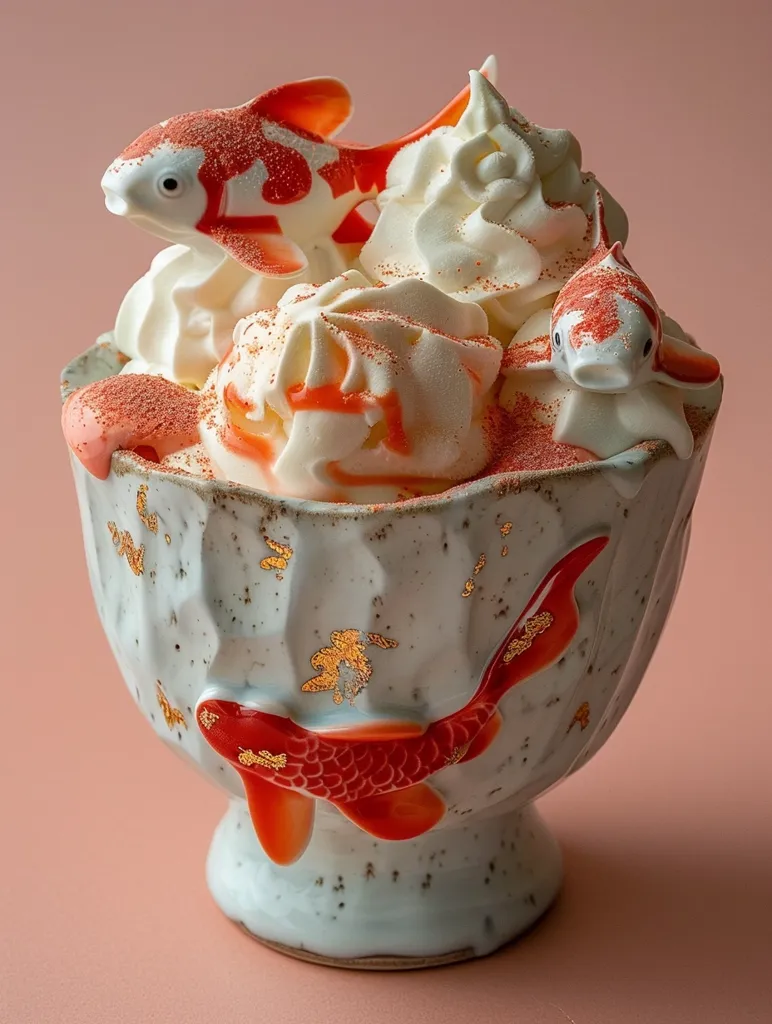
377,781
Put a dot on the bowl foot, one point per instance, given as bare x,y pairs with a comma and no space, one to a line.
357,902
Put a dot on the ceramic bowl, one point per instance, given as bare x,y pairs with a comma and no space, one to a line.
390,686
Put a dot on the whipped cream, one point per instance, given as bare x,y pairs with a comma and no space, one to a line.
349,392
495,209
178,319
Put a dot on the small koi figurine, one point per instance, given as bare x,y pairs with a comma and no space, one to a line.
376,774
263,180
606,331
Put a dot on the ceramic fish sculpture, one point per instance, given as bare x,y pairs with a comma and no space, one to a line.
376,774
606,332
263,181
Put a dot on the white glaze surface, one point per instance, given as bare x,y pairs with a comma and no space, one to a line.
203,616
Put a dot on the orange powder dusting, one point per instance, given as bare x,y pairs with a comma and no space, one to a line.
698,419
519,441
521,354
155,407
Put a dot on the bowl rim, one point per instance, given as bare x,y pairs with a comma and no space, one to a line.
126,463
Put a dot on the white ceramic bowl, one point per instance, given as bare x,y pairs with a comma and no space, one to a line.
210,592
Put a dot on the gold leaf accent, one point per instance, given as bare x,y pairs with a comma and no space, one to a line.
457,754
480,565
581,717
505,529
167,538
173,716
505,551
124,544
347,652
264,758
532,628
468,587
207,718
150,520
279,560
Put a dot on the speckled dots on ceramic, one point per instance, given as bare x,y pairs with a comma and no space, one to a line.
210,592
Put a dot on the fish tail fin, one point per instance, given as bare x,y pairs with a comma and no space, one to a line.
373,161
546,627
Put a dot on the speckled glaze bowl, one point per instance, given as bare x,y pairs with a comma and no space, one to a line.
214,597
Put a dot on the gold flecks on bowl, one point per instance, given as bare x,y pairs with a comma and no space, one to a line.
173,716
504,550
480,565
505,529
531,629
207,718
149,519
457,754
125,545
468,587
279,560
344,667
264,758
581,717
167,538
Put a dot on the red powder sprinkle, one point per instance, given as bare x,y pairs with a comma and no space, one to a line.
594,292
518,441
520,354
155,407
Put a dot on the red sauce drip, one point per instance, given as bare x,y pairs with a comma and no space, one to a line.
329,398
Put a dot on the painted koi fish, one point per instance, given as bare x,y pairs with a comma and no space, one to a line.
376,774
263,181
606,329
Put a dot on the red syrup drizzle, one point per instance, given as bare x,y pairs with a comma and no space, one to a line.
380,783
330,398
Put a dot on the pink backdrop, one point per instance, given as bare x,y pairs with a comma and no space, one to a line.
667,911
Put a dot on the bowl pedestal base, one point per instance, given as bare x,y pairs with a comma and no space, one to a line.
355,901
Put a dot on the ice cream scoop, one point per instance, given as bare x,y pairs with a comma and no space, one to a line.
347,391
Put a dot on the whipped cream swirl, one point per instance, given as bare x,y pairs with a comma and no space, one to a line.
496,210
349,392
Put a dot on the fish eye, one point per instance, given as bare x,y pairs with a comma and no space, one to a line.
170,185
647,347
557,339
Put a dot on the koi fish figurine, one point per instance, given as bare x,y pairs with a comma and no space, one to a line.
263,180
606,331
376,774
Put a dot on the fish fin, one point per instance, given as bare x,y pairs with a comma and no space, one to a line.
376,732
274,255
678,362
401,814
318,105
373,161
283,819
353,228
484,737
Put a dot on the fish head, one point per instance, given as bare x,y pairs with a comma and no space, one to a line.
155,182
606,328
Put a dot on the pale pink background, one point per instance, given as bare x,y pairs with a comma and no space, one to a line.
667,911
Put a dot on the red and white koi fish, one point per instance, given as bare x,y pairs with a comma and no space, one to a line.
606,329
263,181
376,774
133,412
